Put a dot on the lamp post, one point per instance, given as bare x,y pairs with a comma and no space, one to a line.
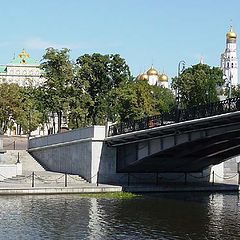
181,68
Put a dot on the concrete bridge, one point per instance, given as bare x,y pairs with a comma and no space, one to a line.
184,141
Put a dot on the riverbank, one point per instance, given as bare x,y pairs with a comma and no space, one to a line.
21,189
180,187
88,188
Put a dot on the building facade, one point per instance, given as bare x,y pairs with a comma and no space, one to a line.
22,70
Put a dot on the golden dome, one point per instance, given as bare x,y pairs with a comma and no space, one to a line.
143,77
152,71
138,76
23,54
163,78
231,34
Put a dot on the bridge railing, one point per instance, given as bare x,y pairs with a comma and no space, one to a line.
177,115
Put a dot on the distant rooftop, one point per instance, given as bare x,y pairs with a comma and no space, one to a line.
2,69
23,58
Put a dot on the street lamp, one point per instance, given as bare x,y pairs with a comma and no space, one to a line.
181,68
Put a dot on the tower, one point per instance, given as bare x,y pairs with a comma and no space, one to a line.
229,61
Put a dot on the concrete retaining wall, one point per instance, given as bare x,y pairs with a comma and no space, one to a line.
80,151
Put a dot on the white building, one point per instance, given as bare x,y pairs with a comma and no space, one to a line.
22,70
154,78
25,71
229,60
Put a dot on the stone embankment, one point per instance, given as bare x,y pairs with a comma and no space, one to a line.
36,180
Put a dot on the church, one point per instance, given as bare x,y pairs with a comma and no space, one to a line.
229,60
154,78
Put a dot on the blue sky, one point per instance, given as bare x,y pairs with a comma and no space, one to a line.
144,32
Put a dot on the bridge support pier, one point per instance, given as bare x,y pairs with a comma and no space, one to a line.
213,178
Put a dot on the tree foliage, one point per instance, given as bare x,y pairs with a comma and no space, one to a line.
10,106
94,89
235,91
97,75
198,84
138,99
18,105
58,72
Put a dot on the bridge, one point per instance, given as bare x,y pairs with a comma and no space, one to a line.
187,140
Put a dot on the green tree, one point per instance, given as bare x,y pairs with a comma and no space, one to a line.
132,101
163,98
10,105
138,99
235,91
18,105
58,72
97,75
31,116
198,84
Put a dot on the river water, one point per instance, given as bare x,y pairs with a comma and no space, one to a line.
151,216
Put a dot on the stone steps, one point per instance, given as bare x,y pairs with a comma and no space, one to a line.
45,178
30,165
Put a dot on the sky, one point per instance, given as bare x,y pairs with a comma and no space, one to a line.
144,32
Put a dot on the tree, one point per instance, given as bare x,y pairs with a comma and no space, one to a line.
198,84
163,98
235,91
31,115
132,101
58,72
97,75
10,105
138,99
18,106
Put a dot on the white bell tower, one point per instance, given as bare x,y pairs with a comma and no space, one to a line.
229,61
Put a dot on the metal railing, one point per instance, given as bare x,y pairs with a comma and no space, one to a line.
176,116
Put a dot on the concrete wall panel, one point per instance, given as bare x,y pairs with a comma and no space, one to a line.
154,145
142,149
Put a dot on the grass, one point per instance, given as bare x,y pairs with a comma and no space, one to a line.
112,195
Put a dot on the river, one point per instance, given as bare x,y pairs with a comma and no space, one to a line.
150,216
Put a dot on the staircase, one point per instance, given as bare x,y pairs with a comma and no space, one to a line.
30,165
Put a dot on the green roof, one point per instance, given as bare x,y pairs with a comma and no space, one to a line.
24,58
2,69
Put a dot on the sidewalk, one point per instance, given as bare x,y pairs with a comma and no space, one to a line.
181,187
52,183
24,188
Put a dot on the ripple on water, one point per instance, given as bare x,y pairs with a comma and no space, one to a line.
157,216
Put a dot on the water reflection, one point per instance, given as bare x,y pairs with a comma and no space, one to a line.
156,216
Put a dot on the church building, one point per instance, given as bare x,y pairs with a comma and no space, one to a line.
154,78
229,60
